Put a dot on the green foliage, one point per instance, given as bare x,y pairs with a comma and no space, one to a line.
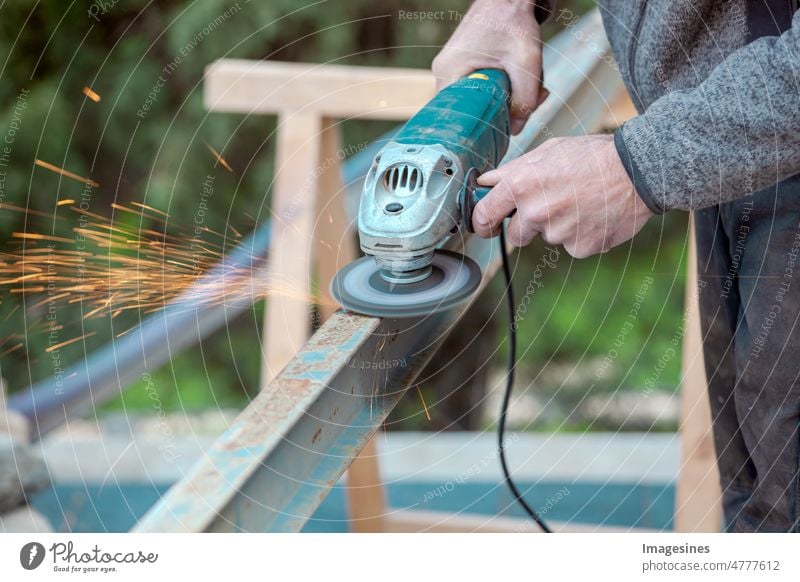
616,314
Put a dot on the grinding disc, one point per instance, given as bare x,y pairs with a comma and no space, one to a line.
359,287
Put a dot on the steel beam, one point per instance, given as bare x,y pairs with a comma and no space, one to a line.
278,460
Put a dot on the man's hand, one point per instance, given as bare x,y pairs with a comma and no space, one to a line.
498,34
573,190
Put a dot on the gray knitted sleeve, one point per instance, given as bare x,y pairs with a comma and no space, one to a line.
736,133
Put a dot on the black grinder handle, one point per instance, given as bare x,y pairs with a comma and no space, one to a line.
474,193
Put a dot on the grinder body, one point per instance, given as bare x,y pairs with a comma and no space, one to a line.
421,186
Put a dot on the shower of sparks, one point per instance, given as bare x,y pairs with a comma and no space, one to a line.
67,174
220,159
91,94
110,268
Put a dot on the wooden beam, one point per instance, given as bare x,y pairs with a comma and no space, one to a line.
12,424
287,322
335,236
620,109
365,496
269,87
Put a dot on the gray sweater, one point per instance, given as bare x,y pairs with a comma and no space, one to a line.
718,90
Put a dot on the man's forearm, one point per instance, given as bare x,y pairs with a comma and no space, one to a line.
736,133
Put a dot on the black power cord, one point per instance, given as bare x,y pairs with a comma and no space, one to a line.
512,362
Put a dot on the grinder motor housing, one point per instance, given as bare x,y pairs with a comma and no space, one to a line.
421,186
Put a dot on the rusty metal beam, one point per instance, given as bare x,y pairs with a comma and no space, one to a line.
276,463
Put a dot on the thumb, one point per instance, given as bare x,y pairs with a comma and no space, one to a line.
490,178
490,212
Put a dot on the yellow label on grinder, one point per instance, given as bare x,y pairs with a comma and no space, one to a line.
478,76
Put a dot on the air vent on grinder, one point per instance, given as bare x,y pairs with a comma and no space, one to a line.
402,179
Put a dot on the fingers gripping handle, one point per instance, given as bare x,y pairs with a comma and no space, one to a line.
472,194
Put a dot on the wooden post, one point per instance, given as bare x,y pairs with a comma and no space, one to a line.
620,109
698,505
287,322
335,235
12,424
365,495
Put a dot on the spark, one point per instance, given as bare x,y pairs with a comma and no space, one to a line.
127,331
122,208
68,342
219,157
38,289
65,202
91,94
37,236
66,173
26,211
423,403
18,279
12,312
12,349
146,207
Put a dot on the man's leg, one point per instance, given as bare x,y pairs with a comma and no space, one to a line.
767,353
719,308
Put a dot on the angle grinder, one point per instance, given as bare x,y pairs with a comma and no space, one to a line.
419,192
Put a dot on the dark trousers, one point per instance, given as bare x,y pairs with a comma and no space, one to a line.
749,272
